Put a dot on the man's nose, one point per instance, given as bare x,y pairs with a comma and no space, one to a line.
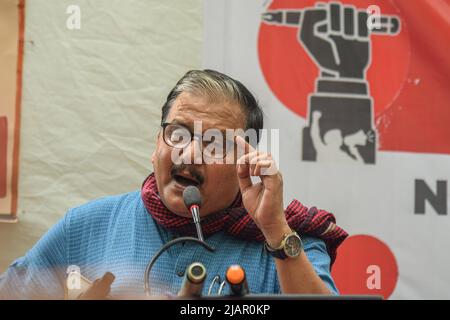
192,154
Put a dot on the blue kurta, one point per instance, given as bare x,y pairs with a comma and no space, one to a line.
117,234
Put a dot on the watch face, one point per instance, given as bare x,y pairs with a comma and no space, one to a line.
293,246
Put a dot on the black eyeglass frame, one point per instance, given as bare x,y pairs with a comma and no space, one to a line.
164,125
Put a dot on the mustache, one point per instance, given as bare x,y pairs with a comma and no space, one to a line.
178,168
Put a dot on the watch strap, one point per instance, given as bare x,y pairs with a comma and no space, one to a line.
279,252
276,253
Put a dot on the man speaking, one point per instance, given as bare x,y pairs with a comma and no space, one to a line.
281,250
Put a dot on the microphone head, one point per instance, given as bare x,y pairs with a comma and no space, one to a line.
191,196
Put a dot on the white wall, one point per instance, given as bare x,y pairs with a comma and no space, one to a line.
92,101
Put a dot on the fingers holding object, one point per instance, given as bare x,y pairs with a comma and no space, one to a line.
345,20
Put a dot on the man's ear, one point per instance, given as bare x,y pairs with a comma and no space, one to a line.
156,147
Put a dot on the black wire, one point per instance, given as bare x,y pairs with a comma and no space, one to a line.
161,251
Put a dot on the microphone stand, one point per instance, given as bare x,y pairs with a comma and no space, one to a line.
192,200
195,211
162,250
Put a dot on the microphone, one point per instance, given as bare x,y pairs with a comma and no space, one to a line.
193,200
237,280
193,281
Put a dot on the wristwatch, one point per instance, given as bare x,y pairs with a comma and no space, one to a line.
290,247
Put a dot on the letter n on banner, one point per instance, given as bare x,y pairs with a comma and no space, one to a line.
12,18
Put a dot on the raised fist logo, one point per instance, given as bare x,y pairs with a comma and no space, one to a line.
338,39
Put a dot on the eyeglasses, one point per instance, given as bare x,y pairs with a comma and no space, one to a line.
213,143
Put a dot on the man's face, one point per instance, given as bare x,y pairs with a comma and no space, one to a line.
219,184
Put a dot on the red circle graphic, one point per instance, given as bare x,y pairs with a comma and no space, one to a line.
365,265
291,73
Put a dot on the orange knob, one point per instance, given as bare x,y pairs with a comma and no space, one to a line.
235,274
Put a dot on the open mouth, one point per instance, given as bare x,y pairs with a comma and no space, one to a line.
186,180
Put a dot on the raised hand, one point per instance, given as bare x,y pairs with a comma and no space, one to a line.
337,38
263,200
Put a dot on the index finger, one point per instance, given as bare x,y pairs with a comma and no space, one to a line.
243,147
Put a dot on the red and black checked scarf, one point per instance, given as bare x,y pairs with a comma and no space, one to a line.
235,220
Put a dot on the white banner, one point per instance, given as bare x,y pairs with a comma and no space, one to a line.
338,92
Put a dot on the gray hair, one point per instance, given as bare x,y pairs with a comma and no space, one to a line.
218,87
